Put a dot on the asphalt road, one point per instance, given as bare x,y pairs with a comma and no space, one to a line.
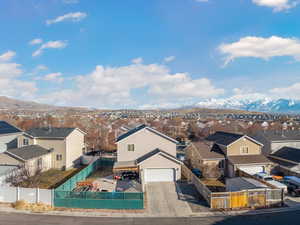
285,218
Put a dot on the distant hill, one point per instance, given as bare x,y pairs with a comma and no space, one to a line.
14,104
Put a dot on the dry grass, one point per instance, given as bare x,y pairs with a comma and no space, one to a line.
51,178
34,207
212,182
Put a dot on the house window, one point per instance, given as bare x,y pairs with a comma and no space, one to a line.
25,141
244,150
40,163
58,157
130,147
222,164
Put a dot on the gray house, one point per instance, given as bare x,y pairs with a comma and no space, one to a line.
8,136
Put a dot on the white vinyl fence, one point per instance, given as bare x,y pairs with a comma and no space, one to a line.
31,195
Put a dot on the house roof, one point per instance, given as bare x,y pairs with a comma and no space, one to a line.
141,127
226,138
7,160
6,128
28,152
283,163
288,153
248,159
50,132
208,150
154,152
280,135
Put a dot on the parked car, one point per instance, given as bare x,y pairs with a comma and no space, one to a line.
197,172
129,175
293,185
269,179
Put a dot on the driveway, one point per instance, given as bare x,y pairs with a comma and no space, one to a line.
163,200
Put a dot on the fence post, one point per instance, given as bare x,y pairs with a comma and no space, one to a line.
52,197
17,193
37,195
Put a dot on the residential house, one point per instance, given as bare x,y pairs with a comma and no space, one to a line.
283,148
8,136
67,144
229,152
273,140
33,158
149,152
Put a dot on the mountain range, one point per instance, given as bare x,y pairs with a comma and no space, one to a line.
252,104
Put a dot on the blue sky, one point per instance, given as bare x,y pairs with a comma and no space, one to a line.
144,54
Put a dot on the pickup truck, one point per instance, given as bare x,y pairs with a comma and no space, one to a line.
269,179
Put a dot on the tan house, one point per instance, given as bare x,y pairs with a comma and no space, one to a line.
67,144
32,157
229,152
149,152
8,136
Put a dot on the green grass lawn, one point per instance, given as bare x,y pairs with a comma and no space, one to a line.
50,179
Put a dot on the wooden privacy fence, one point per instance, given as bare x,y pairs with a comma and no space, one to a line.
200,186
253,198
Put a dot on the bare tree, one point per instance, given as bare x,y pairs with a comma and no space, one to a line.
25,177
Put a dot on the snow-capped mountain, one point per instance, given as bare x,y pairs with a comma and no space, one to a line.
253,103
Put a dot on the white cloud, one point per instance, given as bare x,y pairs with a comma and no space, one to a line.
137,60
259,47
7,56
48,45
74,17
289,92
54,77
276,5
10,84
169,58
113,86
36,41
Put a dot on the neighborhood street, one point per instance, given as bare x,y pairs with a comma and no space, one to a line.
285,218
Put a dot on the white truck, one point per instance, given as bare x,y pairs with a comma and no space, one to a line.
269,179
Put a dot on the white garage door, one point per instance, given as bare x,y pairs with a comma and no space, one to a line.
159,175
252,169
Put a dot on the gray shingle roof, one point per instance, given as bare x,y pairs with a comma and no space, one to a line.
288,153
208,150
50,132
224,138
152,153
28,152
279,135
138,128
6,128
248,159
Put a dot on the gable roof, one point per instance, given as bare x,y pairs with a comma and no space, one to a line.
248,159
141,127
27,152
208,150
279,135
154,152
6,128
226,138
288,153
50,132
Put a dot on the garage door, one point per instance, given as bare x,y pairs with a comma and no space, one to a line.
159,175
252,169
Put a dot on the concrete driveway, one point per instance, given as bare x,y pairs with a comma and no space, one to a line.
162,200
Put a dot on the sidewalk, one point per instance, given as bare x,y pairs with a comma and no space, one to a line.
144,213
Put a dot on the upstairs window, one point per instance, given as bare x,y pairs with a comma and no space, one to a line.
244,150
58,157
130,147
25,141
